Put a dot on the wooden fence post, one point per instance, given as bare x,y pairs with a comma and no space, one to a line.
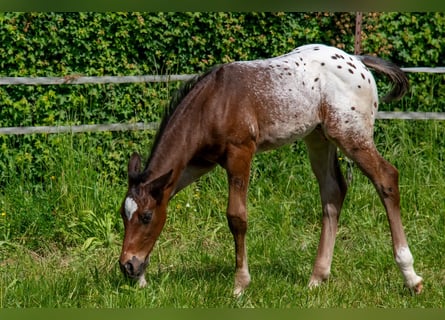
358,33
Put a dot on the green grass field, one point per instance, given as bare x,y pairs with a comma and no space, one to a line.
60,239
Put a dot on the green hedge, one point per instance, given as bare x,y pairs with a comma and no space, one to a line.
96,44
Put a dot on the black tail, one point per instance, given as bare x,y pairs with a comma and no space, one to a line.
393,72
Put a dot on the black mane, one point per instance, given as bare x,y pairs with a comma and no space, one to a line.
175,100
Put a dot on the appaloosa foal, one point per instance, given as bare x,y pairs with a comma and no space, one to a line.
316,93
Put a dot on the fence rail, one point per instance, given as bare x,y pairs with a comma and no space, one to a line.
91,80
402,115
382,115
79,128
76,80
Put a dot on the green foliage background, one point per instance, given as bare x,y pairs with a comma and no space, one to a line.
60,232
96,44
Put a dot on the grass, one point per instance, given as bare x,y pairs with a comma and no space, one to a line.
60,239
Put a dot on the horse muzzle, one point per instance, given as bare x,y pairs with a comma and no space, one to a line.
134,268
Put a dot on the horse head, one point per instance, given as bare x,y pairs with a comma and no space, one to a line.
143,212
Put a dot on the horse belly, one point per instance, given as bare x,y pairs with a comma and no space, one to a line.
291,120
287,111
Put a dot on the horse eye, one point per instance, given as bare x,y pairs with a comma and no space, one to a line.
145,217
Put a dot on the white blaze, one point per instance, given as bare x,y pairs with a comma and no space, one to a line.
130,207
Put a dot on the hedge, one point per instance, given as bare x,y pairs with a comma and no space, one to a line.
95,44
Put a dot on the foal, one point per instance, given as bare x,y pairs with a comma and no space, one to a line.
316,93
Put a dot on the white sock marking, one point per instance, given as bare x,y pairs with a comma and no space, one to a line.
130,207
405,262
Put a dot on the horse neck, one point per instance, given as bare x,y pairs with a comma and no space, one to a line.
175,149
183,134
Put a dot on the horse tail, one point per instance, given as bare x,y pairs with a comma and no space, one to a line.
400,84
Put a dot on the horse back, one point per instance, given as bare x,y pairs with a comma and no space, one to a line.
279,100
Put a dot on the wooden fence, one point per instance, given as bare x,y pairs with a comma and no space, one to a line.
78,80
134,79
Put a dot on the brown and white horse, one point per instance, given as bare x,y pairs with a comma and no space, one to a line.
316,93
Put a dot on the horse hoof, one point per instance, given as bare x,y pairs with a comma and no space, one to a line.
242,281
314,284
238,292
418,288
142,282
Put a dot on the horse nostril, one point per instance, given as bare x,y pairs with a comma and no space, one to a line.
127,268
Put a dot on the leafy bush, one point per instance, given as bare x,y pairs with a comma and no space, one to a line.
62,188
411,40
96,44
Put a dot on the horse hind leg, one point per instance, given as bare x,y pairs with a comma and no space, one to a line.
332,185
384,177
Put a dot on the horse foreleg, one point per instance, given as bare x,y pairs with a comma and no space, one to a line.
237,165
324,163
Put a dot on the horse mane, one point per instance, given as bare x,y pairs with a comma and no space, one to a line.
175,101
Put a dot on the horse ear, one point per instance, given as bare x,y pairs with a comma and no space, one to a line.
134,165
158,185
